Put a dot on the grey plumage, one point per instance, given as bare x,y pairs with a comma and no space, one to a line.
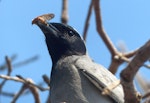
70,85
75,78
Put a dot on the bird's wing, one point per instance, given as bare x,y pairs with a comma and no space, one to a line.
100,77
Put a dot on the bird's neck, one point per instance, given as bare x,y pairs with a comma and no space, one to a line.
58,55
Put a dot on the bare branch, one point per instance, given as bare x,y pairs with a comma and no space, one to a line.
64,14
87,21
130,54
100,28
114,52
141,56
33,90
23,81
8,63
18,94
35,93
115,63
147,66
24,62
128,74
4,66
29,60
7,94
120,58
46,79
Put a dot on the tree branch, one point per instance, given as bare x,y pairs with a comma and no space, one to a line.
8,64
28,81
100,28
128,74
64,14
87,21
18,94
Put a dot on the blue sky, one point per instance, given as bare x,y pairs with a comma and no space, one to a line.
126,21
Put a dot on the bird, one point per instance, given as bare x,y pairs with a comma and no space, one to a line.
75,77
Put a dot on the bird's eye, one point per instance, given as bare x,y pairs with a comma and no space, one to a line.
70,33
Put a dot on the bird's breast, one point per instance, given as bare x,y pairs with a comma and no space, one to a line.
68,84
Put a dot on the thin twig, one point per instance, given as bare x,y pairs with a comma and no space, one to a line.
9,66
115,63
64,14
29,60
4,66
46,79
8,94
130,54
23,81
18,94
21,63
147,66
100,29
33,90
87,21
8,63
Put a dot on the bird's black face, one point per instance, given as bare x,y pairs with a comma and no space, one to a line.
62,40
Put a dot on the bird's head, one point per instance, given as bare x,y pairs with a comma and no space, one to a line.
62,40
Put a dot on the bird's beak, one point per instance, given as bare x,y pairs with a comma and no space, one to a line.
47,28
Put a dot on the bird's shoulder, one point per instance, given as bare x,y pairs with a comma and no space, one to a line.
99,72
99,76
